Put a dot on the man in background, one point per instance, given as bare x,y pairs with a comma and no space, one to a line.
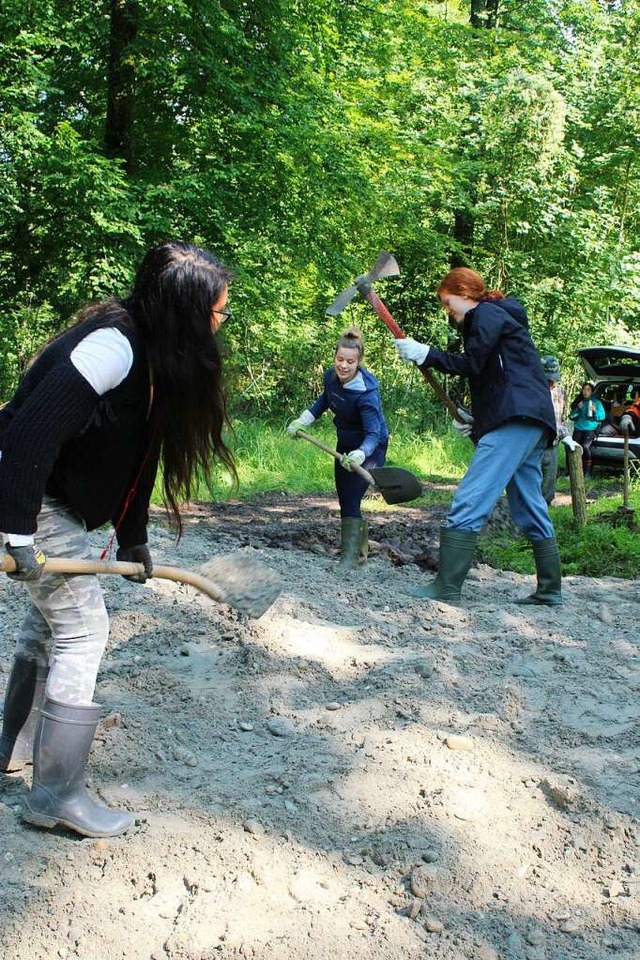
549,461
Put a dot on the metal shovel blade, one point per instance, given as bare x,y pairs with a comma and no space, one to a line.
244,582
396,484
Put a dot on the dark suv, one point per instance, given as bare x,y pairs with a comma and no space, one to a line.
615,372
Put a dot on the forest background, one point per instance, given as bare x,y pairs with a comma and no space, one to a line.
298,139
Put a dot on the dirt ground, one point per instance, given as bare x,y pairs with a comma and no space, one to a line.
357,775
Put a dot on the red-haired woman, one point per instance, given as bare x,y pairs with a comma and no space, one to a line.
513,423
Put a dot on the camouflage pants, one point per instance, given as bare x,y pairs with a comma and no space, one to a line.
66,626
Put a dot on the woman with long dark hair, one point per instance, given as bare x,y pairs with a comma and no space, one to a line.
513,423
132,382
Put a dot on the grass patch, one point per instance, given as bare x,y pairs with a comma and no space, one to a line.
600,549
268,460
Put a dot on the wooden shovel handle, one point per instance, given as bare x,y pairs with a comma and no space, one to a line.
334,453
386,317
119,567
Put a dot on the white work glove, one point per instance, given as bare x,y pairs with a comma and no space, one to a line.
464,429
569,442
626,423
411,351
304,420
354,458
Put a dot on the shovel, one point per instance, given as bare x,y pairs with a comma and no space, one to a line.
237,580
396,484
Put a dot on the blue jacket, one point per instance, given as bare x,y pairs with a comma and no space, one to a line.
584,422
505,374
358,415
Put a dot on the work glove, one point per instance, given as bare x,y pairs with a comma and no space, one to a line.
354,458
626,424
569,442
304,420
464,429
138,554
29,562
411,351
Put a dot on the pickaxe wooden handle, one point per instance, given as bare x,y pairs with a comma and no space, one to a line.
368,293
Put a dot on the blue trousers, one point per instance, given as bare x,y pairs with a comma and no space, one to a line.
508,457
350,486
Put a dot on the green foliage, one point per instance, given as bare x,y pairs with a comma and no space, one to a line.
269,459
600,549
297,140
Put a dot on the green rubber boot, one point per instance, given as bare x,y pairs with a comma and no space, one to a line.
363,549
349,543
457,548
547,558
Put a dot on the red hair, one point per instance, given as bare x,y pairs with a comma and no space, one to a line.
463,282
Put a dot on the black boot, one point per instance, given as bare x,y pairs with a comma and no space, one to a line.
59,795
547,558
363,548
22,702
457,548
586,469
349,543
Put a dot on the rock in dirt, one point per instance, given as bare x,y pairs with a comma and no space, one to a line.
457,742
433,925
280,727
253,827
423,880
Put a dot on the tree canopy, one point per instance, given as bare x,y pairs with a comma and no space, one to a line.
298,139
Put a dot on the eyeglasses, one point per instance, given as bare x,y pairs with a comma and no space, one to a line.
225,314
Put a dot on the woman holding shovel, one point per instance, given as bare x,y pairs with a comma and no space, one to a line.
352,393
513,423
133,380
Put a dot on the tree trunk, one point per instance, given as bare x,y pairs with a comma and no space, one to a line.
118,138
484,13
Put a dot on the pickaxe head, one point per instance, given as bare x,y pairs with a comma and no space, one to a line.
385,266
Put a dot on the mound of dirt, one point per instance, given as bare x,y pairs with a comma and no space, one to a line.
357,774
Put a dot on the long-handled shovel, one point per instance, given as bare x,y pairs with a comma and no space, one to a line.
396,484
386,266
235,579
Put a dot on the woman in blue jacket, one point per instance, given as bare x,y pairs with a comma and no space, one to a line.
587,413
513,423
352,393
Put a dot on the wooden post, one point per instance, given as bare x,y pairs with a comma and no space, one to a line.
576,482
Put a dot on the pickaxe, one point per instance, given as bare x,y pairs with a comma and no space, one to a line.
386,266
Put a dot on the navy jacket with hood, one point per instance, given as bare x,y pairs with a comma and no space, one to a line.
358,415
505,374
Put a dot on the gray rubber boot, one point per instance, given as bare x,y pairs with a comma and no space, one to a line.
547,558
22,702
59,796
349,543
363,547
457,548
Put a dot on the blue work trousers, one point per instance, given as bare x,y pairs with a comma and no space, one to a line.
351,487
506,458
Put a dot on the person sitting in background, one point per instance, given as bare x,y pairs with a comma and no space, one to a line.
630,419
352,393
629,422
549,462
587,413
